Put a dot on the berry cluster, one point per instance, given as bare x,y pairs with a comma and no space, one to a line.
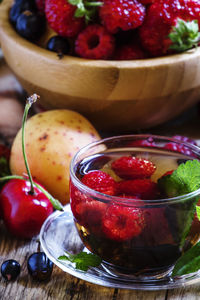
129,177
111,29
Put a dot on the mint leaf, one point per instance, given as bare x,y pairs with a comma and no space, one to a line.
198,212
189,262
82,260
185,179
185,35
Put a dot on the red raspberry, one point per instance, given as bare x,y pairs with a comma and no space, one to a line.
129,167
40,5
95,42
4,152
60,16
157,230
141,188
128,52
100,182
121,223
122,14
161,17
90,215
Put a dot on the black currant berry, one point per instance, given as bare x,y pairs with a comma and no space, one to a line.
58,44
10,269
39,266
19,7
30,25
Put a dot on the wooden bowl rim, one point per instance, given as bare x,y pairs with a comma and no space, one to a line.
7,29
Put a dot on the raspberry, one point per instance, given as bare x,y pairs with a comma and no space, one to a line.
121,223
100,182
122,14
128,52
40,6
129,167
95,42
60,16
160,19
157,231
76,198
181,148
141,188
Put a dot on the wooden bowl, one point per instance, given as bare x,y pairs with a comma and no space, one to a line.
114,95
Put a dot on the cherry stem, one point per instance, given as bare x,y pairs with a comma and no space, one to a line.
56,204
30,101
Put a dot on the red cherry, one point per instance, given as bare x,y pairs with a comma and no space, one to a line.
23,213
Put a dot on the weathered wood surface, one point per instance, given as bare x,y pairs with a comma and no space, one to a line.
62,285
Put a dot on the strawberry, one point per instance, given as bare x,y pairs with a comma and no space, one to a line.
129,167
60,15
141,188
121,223
166,29
121,14
95,42
128,52
100,182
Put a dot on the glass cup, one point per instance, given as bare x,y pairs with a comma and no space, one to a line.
136,238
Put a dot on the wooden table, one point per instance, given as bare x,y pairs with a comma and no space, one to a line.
62,285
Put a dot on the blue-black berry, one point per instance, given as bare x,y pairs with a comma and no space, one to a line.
58,44
39,266
30,25
19,7
10,269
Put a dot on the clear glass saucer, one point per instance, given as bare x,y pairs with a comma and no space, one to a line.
58,234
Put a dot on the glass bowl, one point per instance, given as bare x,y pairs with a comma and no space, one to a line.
135,236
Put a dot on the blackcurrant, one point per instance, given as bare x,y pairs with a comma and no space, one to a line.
58,44
10,269
19,7
30,25
39,266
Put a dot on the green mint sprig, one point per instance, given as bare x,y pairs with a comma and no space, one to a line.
188,263
185,35
185,179
85,9
83,260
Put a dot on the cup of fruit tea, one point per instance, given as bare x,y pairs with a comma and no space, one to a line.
133,200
